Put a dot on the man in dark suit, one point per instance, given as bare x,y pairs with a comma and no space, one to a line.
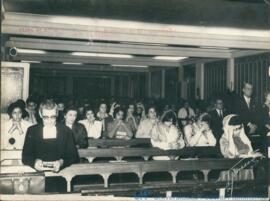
245,107
217,116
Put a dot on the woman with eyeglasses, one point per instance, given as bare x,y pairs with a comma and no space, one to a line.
118,128
78,130
13,131
235,144
167,135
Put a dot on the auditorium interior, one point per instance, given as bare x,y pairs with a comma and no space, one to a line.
158,51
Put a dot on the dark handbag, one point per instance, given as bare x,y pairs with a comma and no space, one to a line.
22,183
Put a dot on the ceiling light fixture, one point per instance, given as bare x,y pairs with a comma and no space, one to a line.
136,66
30,51
26,61
90,54
71,63
169,58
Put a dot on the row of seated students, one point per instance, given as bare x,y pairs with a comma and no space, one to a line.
41,141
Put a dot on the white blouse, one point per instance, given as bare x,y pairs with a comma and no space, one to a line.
195,137
13,139
93,130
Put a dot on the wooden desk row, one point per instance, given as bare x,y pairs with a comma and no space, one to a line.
119,142
146,153
139,168
120,153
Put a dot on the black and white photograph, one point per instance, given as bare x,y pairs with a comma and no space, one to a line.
135,100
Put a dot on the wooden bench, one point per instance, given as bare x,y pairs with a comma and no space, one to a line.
119,153
155,189
146,153
139,168
118,142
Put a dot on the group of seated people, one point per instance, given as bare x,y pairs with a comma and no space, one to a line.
50,134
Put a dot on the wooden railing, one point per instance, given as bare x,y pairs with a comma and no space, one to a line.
120,153
146,153
139,168
118,142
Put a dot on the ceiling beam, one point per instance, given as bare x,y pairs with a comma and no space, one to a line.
117,30
101,47
66,57
97,68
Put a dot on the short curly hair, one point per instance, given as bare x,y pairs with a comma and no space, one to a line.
13,106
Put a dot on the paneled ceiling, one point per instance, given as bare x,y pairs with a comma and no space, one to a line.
223,13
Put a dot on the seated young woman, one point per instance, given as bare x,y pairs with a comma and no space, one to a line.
131,119
105,118
198,133
13,131
235,144
147,124
93,126
78,130
165,135
118,128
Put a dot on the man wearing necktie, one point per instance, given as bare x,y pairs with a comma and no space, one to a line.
245,107
217,115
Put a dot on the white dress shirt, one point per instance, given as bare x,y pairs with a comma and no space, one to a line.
247,99
182,114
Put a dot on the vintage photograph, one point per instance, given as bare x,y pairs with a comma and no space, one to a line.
135,100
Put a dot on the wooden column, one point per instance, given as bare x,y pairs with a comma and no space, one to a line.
69,85
149,86
163,80
268,140
181,79
200,80
230,73
112,86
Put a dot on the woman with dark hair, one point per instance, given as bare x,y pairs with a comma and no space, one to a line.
199,133
147,124
131,119
93,126
105,118
167,135
265,115
13,130
118,128
78,130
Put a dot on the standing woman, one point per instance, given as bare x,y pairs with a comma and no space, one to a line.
265,114
13,130
93,126
105,118
78,130
264,122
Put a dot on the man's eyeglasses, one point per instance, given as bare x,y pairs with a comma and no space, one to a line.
49,117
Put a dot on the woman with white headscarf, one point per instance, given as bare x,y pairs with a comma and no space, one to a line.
235,144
